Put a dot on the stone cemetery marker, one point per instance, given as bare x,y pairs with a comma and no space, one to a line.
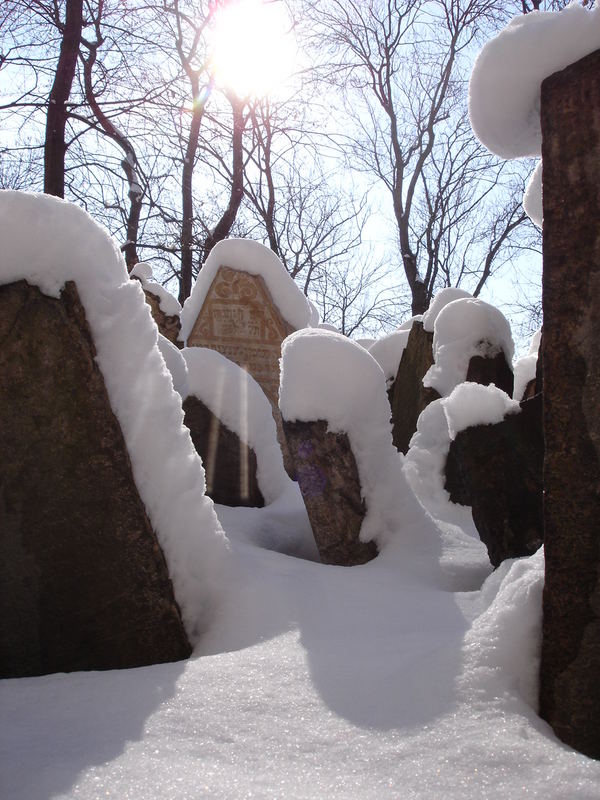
83,581
497,470
229,464
410,397
328,478
164,307
239,319
570,666
168,324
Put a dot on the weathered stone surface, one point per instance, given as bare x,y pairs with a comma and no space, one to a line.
83,581
570,665
410,397
168,325
330,486
497,470
240,320
229,464
491,369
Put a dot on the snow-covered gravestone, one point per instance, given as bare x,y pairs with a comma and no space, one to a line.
570,119
409,396
472,342
494,465
233,430
513,118
458,339
336,418
243,305
108,542
164,307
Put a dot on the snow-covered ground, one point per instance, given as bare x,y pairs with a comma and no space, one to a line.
314,681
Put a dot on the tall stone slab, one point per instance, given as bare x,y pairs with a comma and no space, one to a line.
229,463
240,320
410,397
570,665
497,470
491,369
83,581
330,484
168,324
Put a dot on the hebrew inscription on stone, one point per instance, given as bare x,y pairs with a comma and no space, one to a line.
240,321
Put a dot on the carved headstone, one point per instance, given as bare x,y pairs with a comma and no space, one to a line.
410,397
328,478
570,664
497,470
229,464
240,320
168,324
83,581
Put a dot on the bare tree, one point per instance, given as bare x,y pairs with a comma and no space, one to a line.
313,224
189,30
57,114
401,67
549,5
129,163
235,176
357,301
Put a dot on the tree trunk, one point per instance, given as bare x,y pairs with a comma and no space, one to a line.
420,297
56,119
570,662
224,225
136,192
187,206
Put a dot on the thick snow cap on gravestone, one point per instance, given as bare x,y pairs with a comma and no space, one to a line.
465,328
504,90
168,304
238,401
326,376
249,256
441,299
48,242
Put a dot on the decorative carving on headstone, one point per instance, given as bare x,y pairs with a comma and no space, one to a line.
410,397
328,478
168,325
570,663
229,464
83,581
239,319
497,470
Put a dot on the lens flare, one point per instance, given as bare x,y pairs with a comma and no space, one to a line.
252,48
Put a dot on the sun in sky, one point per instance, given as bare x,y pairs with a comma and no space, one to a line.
252,48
